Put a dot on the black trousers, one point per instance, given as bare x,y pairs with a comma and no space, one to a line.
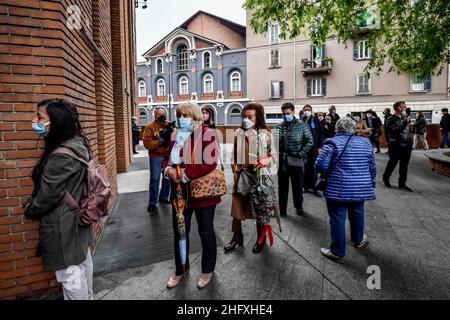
205,220
398,153
375,140
310,176
295,174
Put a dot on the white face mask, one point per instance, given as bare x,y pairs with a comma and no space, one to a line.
308,113
247,123
321,118
356,118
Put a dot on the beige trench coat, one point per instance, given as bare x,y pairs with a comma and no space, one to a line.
240,205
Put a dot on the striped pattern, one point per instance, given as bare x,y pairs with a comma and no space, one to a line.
353,179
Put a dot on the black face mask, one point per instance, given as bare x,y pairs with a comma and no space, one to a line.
161,118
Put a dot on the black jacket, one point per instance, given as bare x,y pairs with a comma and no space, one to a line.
399,131
62,241
317,132
420,126
376,126
445,122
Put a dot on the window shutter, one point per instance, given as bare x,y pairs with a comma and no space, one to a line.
355,50
281,89
308,87
271,89
324,86
323,52
428,82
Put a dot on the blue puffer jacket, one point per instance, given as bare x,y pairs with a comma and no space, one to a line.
353,179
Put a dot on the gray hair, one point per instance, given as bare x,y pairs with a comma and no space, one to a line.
347,125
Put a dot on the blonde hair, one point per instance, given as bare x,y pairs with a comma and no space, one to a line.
190,109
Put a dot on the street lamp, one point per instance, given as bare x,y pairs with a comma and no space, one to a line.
169,59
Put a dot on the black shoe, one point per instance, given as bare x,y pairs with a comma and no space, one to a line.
300,212
317,193
405,187
387,183
238,239
259,247
164,201
152,209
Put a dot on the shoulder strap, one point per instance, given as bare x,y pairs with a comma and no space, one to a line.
69,152
332,166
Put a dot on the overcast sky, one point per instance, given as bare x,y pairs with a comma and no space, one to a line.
162,16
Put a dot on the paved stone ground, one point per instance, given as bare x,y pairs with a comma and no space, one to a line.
409,235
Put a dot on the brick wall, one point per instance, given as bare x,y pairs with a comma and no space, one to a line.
40,57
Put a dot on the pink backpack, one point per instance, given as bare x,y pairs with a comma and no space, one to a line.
93,203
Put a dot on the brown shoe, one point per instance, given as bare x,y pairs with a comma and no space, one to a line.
204,279
174,280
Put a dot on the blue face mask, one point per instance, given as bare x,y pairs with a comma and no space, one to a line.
39,128
288,117
185,124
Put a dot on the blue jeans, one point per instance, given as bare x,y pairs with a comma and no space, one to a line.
338,212
155,177
445,139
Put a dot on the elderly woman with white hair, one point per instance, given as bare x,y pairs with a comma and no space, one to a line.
192,154
348,163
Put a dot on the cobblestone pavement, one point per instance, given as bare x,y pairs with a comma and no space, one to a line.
408,232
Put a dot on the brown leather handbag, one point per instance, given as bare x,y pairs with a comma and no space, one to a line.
210,186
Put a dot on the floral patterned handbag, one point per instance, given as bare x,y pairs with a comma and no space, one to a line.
211,185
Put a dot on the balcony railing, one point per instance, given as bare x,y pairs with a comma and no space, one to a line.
183,97
208,96
141,100
235,94
315,67
161,99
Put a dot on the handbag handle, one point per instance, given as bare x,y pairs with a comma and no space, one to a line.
332,166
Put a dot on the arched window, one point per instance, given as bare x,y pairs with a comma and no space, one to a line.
206,59
142,89
159,66
235,81
161,87
184,85
208,83
183,58
236,110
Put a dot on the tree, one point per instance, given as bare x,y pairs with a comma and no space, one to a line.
410,35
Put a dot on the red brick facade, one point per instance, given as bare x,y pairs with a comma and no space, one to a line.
41,57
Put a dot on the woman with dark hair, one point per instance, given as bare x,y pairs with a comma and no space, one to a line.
253,191
63,243
208,118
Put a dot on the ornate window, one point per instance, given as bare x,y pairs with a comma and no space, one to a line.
235,81
206,59
142,89
183,58
184,85
161,87
208,84
159,66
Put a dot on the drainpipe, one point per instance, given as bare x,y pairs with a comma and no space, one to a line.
295,70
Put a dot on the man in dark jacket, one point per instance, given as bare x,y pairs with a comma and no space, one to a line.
317,132
445,127
295,141
333,115
374,125
399,144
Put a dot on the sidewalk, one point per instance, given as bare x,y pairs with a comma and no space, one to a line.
408,232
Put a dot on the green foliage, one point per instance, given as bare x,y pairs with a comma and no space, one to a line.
408,35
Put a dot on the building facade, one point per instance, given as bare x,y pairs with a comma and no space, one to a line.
52,49
204,60
292,70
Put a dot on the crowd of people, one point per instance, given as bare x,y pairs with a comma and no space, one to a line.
320,153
